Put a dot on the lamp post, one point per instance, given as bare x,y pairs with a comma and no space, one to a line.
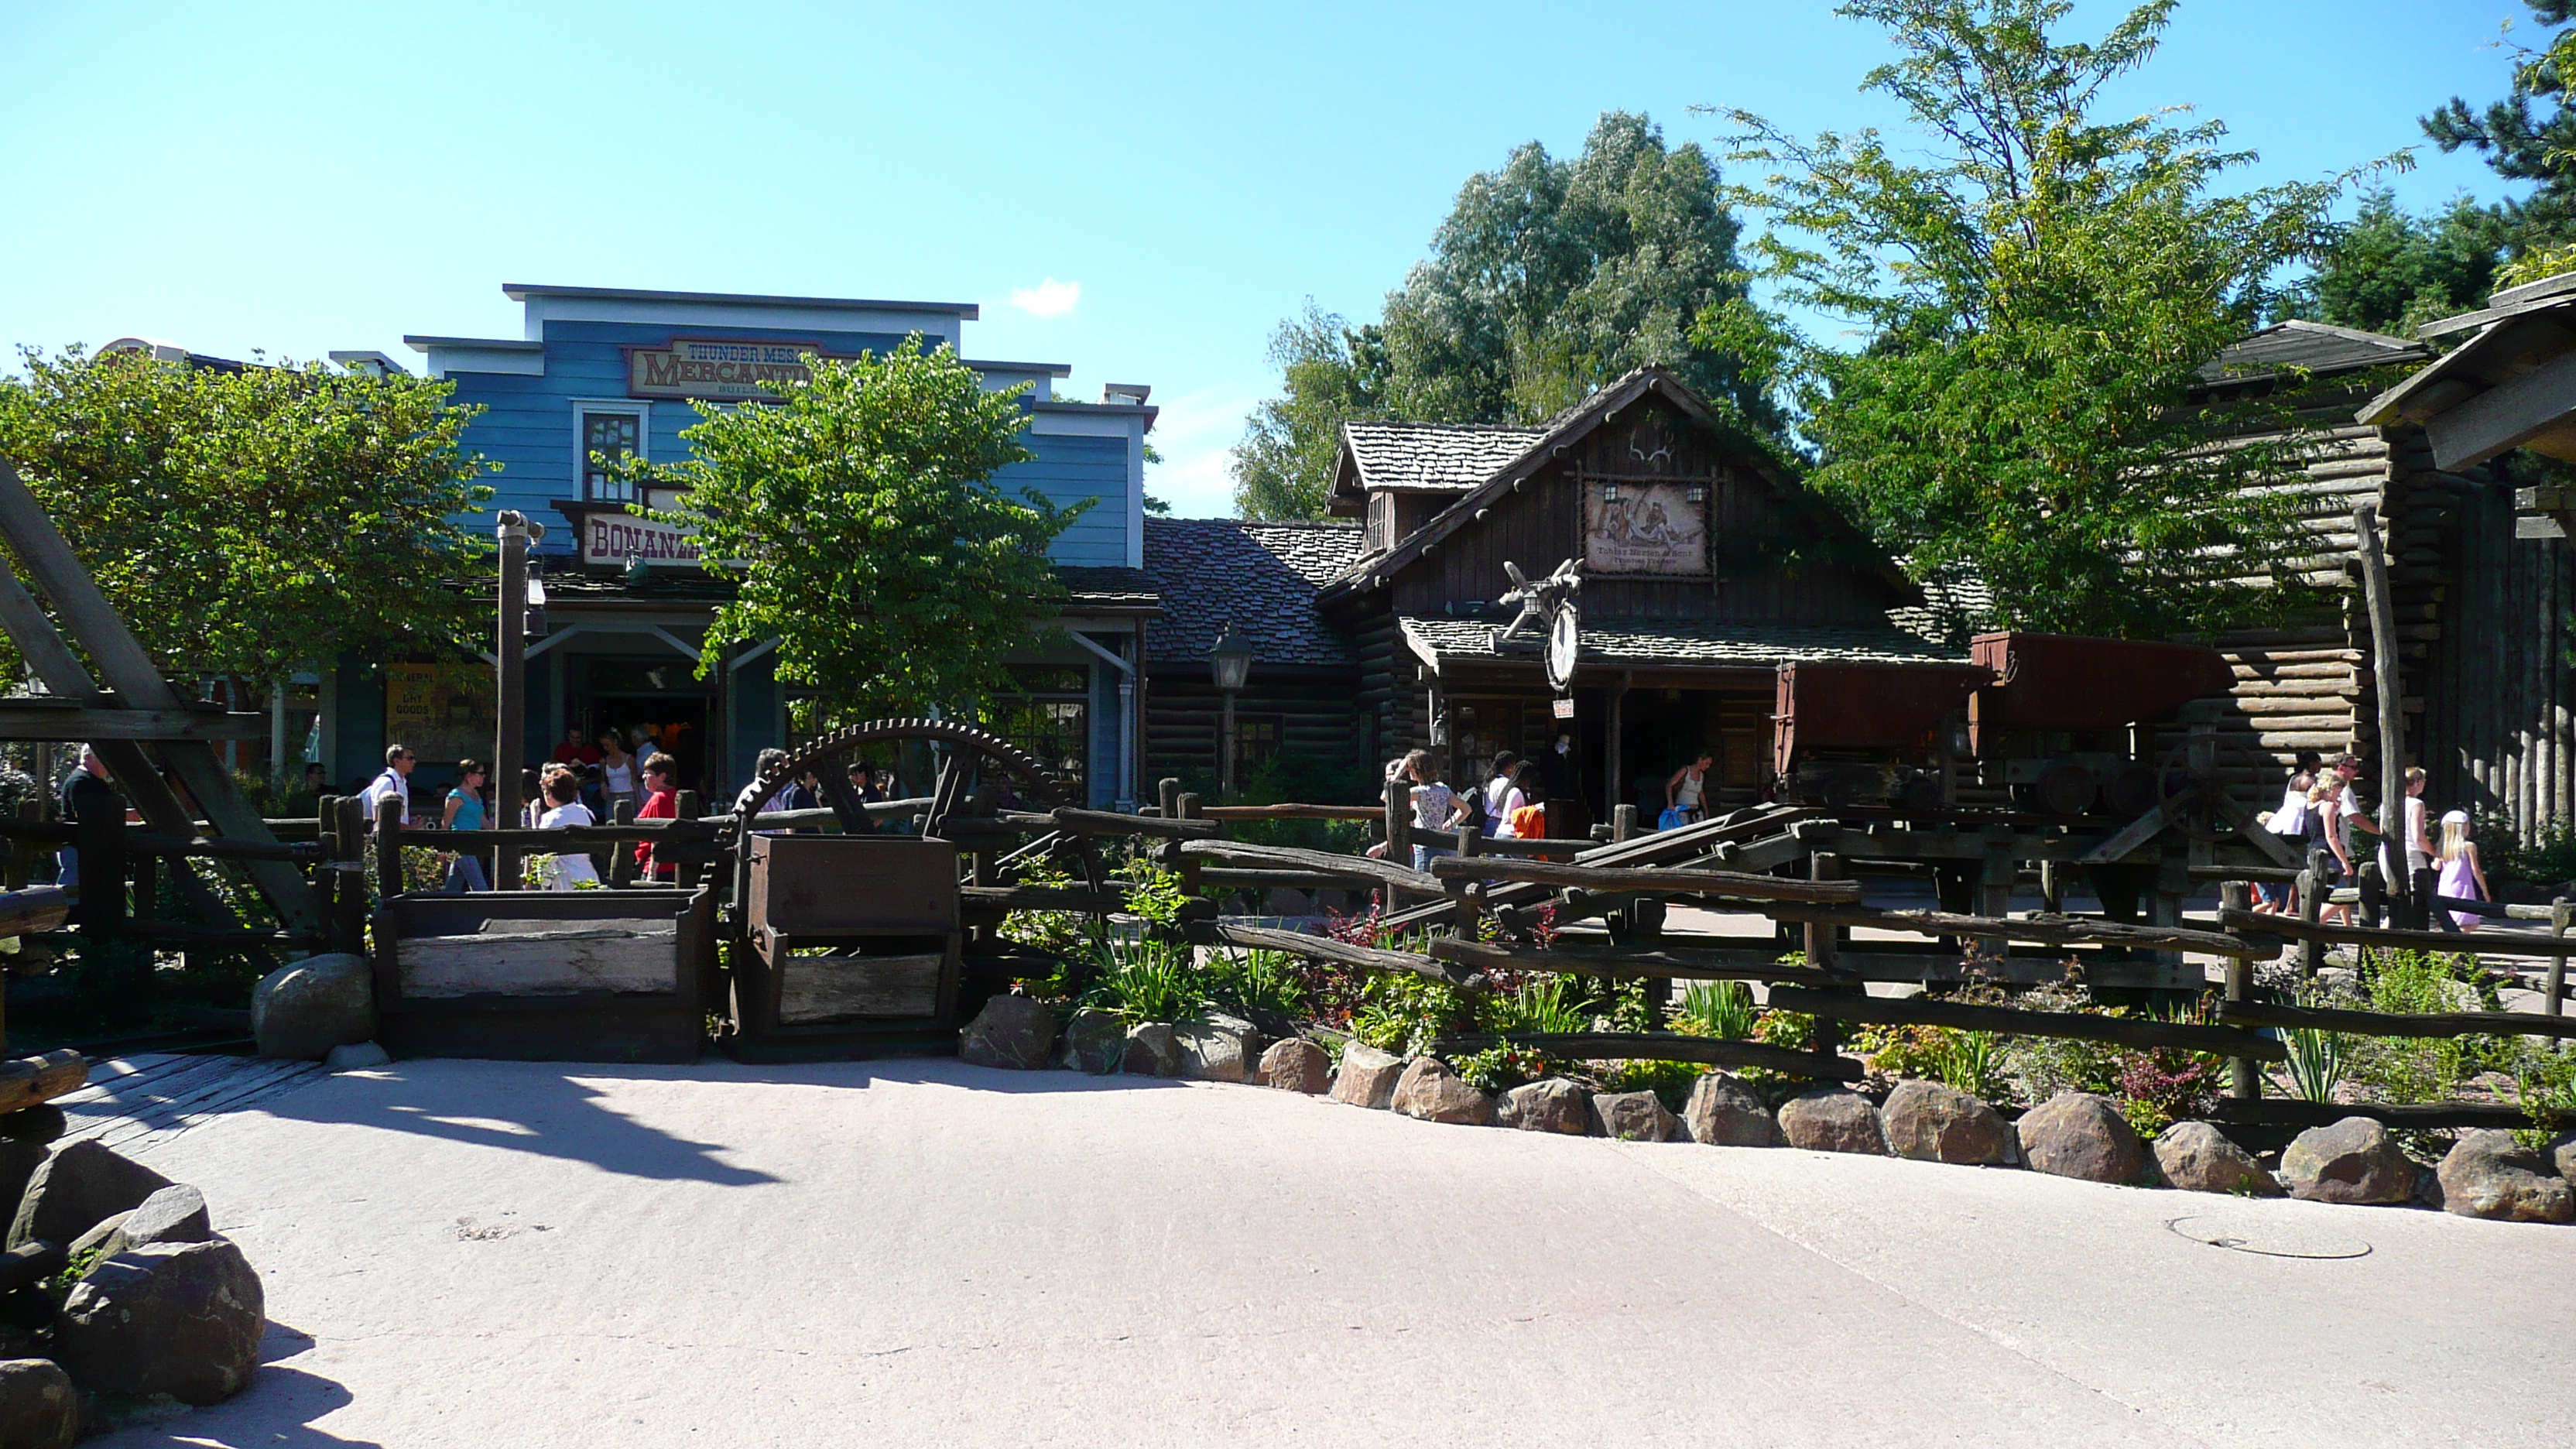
509,742
1231,659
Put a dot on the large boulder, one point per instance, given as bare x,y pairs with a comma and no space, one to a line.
1551,1104
77,1187
2351,1161
2562,1156
363,1056
1929,1122
1723,1112
1011,1031
2489,1175
2077,1134
175,1214
1633,1117
1297,1065
303,1009
1151,1052
182,1319
19,1160
1833,1119
1367,1076
1432,1092
1216,1048
39,1409
1095,1041
2197,1157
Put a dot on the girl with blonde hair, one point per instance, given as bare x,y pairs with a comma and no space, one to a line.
2463,878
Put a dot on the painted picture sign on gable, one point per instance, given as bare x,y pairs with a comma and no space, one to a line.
1644,528
715,368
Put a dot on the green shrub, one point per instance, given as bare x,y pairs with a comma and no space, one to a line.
1721,1009
1147,981
1254,982
2317,1062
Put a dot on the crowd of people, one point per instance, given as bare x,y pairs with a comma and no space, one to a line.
2321,808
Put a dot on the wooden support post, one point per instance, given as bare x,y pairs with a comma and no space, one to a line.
509,741
2173,884
2052,886
1399,834
98,840
1167,798
2560,910
349,834
2421,913
1471,843
146,891
2374,895
2244,1082
2388,682
1823,954
1617,788
1995,879
1187,806
1623,823
687,873
621,861
2312,904
389,833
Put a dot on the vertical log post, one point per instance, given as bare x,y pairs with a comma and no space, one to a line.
686,873
509,743
2243,1082
1187,866
1823,953
2312,952
349,830
389,832
621,861
326,873
2052,886
2388,682
99,838
1471,843
22,855
2374,895
1167,797
1623,823
1399,834
2560,911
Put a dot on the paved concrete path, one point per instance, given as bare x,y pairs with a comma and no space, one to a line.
486,1254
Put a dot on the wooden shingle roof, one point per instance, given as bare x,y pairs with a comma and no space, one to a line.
1448,457
1261,577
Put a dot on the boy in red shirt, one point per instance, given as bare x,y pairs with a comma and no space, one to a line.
661,802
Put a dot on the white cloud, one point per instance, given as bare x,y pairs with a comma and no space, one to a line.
1049,298
1196,433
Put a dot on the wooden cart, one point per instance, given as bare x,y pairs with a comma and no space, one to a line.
584,976
852,947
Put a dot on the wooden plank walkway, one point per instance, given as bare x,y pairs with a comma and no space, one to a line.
137,1101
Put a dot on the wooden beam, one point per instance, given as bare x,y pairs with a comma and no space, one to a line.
1292,811
2395,1023
1107,822
1325,948
1624,880
69,721
1666,1046
27,1081
2010,1021
1683,963
2503,417
2463,943
2039,930
30,912
1325,862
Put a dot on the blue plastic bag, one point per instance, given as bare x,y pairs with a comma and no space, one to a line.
1673,818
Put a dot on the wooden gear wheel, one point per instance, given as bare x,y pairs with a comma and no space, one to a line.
970,760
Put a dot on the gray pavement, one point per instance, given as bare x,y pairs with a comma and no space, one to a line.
490,1254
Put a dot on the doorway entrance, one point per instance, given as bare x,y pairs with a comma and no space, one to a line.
679,721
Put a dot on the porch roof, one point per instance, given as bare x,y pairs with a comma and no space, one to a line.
1683,643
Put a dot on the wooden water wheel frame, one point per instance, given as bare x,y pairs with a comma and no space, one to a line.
958,743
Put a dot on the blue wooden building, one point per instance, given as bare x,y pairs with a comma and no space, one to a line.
614,371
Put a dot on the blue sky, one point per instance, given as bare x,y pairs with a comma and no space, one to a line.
1156,186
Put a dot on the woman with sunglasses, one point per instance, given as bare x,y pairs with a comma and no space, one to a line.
465,812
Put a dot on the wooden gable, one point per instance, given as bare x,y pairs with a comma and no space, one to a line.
1671,520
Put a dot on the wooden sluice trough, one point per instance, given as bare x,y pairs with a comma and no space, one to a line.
546,976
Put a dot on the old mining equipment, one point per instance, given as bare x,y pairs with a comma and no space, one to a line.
2060,723
2045,722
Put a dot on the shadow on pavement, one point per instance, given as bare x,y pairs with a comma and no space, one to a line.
276,1412
554,1108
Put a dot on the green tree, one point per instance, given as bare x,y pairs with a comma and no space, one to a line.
253,521
2389,271
1283,468
2530,135
1549,278
2039,290
861,517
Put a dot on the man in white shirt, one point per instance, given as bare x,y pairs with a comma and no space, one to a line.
394,782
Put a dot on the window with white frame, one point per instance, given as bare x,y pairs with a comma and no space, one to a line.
602,432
